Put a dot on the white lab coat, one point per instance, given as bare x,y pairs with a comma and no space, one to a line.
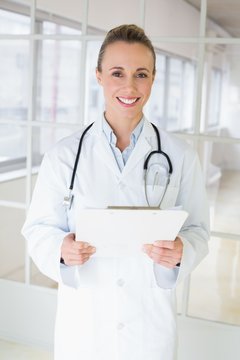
114,308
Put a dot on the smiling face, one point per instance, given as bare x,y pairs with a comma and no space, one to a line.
126,77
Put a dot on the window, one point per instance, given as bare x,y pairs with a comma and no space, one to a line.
215,97
58,70
172,100
13,23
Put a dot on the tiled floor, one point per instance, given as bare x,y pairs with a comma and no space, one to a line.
218,274
13,351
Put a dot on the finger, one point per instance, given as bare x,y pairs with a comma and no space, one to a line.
72,257
169,244
164,252
86,251
147,248
80,245
160,258
76,260
76,253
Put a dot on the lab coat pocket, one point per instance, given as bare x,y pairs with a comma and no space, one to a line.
161,195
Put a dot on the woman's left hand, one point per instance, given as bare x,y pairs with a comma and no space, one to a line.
164,252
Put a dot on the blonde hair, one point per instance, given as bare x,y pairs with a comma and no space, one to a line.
130,34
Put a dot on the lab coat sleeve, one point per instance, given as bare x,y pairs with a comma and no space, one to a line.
46,224
195,232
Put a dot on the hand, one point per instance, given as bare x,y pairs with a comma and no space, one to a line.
75,252
166,253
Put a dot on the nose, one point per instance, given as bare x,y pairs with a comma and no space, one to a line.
130,83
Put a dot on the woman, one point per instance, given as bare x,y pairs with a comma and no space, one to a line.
117,308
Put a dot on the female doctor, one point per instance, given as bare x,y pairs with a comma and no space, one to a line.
118,308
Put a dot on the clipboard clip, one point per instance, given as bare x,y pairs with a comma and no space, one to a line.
133,208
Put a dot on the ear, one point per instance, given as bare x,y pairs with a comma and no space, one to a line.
99,76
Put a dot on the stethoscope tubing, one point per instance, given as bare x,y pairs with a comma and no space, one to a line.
68,199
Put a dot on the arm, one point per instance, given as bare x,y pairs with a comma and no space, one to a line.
46,228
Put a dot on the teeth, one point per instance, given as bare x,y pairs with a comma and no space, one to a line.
127,101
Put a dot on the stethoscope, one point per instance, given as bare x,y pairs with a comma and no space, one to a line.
67,201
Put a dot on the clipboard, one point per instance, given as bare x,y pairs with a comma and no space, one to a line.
122,231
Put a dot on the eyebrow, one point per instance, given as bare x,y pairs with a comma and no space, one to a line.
121,68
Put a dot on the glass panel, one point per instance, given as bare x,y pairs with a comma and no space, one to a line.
172,102
161,15
94,96
222,173
15,23
12,246
59,77
14,69
13,189
13,145
223,18
51,28
156,103
221,91
59,17
217,277
104,15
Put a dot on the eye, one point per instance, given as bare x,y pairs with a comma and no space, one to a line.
116,74
142,75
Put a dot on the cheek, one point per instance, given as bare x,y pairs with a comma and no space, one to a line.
146,90
109,87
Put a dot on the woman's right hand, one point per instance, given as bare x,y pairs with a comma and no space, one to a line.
75,252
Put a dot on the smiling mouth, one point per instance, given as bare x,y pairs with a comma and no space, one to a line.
128,101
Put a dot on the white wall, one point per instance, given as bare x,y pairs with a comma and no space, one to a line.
12,243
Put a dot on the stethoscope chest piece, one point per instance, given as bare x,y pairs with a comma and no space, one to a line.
68,200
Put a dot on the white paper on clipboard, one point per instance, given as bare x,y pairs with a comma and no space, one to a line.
122,232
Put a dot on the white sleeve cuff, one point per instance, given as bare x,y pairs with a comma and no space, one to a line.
165,278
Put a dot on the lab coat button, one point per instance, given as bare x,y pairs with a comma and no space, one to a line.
120,326
120,282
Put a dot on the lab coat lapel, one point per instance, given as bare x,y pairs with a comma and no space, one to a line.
141,149
102,149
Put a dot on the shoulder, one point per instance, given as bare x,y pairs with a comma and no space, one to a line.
175,145
182,154
66,148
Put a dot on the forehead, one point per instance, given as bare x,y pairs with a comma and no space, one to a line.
121,53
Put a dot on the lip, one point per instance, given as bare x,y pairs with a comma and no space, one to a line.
128,98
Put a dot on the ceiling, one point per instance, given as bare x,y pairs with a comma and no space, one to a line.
226,13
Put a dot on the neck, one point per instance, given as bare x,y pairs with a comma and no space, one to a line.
122,127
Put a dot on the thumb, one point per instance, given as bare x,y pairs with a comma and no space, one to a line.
147,248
